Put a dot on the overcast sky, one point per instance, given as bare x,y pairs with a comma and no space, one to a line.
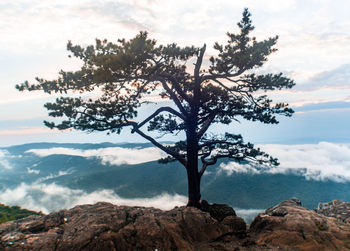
313,49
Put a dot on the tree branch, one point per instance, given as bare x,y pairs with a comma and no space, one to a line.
156,143
161,109
224,75
198,64
177,87
205,163
206,125
204,167
173,97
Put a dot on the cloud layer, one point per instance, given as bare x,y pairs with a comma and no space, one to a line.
52,197
323,161
320,161
109,155
3,160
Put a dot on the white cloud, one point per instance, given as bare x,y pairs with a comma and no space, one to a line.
248,214
111,155
32,171
52,197
337,78
3,159
27,130
273,5
52,176
323,161
232,167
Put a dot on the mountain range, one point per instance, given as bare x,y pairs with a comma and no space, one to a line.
50,174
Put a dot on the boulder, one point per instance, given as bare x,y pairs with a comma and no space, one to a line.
336,208
290,226
217,211
104,226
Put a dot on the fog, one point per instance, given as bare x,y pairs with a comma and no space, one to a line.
52,197
111,155
322,161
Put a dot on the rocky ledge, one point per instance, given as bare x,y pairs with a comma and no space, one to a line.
104,226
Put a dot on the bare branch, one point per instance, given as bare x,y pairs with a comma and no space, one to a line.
206,124
157,144
214,76
174,97
161,109
204,167
176,85
199,64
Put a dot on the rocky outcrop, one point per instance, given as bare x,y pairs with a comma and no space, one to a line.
289,226
103,226
217,211
336,208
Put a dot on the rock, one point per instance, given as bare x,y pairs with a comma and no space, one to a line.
290,226
280,209
217,211
104,226
335,208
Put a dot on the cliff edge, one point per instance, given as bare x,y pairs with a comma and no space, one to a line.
104,226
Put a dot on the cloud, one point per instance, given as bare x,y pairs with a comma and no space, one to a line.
130,15
109,155
3,159
51,176
32,171
273,6
234,167
27,130
337,78
323,161
248,214
324,107
52,197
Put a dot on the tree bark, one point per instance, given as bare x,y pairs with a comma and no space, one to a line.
193,177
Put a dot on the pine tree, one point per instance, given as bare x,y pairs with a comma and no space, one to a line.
126,72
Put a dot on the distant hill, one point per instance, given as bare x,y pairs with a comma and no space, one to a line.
240,190
14,213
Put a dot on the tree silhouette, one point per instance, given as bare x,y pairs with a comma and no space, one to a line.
121,75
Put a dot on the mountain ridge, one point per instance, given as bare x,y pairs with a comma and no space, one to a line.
149,179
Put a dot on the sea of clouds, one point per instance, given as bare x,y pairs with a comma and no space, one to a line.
53,197
4,155
322,161
110,155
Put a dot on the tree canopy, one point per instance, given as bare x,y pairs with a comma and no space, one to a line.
224,89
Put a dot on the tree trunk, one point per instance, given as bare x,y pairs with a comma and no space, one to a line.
193,177
194,194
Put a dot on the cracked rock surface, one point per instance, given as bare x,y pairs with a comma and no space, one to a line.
336,208
104,226
290,226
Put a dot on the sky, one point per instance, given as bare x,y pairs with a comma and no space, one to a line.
313,49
